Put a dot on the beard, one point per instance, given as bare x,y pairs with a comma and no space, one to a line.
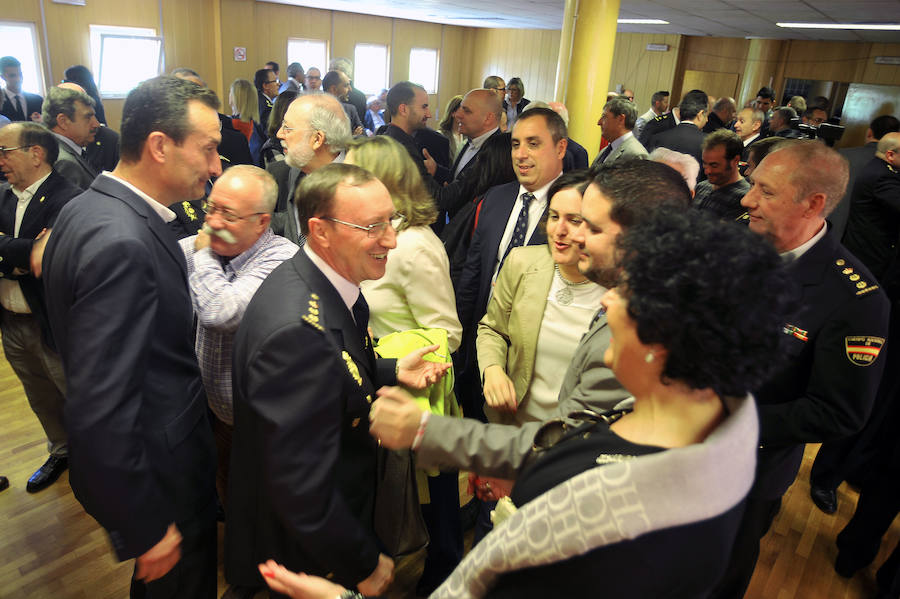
607,277
299,155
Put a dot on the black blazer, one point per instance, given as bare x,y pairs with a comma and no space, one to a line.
459,155
141,452
819,392
475,281
438,147
576,156
33,104
15,252
685,138
302,479
103,154
73,167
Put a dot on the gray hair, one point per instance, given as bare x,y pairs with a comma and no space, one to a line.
336,127
690,168
62,101
620,105
343,65
268,199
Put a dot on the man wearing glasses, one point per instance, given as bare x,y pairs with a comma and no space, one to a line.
302,480
226,262
267,84
29,203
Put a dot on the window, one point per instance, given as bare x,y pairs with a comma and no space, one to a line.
122,57
309,53
19,40
423,68
370,68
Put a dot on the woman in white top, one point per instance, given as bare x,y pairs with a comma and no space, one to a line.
540,308
415,291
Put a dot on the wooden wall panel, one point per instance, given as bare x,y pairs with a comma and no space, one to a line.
714,54
827,61
641,71
881,74
526,53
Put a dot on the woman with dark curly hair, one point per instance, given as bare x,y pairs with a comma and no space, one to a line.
643,503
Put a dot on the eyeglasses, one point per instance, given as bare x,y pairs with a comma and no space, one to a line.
3,151
227,215
287,129
374,230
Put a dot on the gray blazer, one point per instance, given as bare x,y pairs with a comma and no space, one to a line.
500,449
630,148
74,168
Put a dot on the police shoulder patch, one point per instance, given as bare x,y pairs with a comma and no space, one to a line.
863,350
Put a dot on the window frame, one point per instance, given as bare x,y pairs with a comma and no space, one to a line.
323,68
385,84
437,69
38,76
100,33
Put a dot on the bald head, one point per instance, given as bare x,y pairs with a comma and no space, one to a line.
73,86
889,149
479,113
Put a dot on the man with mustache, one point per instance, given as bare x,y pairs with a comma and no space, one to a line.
227,261
69,114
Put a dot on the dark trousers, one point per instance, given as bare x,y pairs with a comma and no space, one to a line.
758,517
194,576
445,547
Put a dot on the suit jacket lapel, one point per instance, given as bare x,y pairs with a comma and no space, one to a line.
63,147
38,203
334,314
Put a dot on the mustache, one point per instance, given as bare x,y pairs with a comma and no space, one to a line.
223,234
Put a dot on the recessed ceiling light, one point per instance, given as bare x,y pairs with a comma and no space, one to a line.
871,26
642,22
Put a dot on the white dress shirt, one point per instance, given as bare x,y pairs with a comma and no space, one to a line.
11,296
535,212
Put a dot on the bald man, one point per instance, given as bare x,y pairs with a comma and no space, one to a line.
479,118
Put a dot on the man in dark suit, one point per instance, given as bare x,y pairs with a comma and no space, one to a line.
315,133
141,451
858,158
17,105
354,96
302,480
294,81
509,218
617,121
687,136
266,82
337,84
103,154
408,106
478,116
722,115
831,367
27,152
69,114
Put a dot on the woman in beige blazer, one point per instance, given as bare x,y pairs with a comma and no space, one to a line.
540,307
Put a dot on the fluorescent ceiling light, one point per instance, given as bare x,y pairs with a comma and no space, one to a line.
642,22
875,26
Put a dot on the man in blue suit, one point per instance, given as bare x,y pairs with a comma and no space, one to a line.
509,217
141,453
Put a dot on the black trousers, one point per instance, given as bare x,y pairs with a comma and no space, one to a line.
194,576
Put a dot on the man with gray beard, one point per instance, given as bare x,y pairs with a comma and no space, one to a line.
226,263
315,132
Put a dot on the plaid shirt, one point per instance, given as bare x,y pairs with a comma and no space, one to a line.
724,202
220,292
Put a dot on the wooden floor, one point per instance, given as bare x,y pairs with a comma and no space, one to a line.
50,549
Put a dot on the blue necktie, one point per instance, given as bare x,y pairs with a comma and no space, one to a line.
521,229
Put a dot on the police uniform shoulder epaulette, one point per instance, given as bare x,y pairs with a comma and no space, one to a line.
663,117
891,168
854,280
312,312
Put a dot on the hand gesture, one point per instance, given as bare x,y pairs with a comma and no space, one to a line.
162,557
394,418
499,391
378,581
298,586
417,373
430,164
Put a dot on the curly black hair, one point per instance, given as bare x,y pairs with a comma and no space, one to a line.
714,295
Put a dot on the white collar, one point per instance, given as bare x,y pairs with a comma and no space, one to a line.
750,139
540,195
348,290
28,193
74,146
802,249
163,212
477,141
620,140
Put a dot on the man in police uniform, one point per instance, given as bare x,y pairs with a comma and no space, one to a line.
833,340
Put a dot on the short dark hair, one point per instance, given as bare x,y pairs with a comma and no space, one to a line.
401,93
184,71
658,96
295,68
693,286
555,123
636,188
9,61
883,125
159,104
810,112
331,78
33,134
260,77
492,82
621,105
315,194
273,66
692,104
62,101
786,114
730,140
766,92
760,148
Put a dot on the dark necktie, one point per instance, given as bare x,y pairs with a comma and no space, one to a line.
604,154
521,229
361,316
21,104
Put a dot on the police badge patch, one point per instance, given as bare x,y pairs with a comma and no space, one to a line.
863,350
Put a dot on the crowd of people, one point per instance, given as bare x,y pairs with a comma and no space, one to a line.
258,316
